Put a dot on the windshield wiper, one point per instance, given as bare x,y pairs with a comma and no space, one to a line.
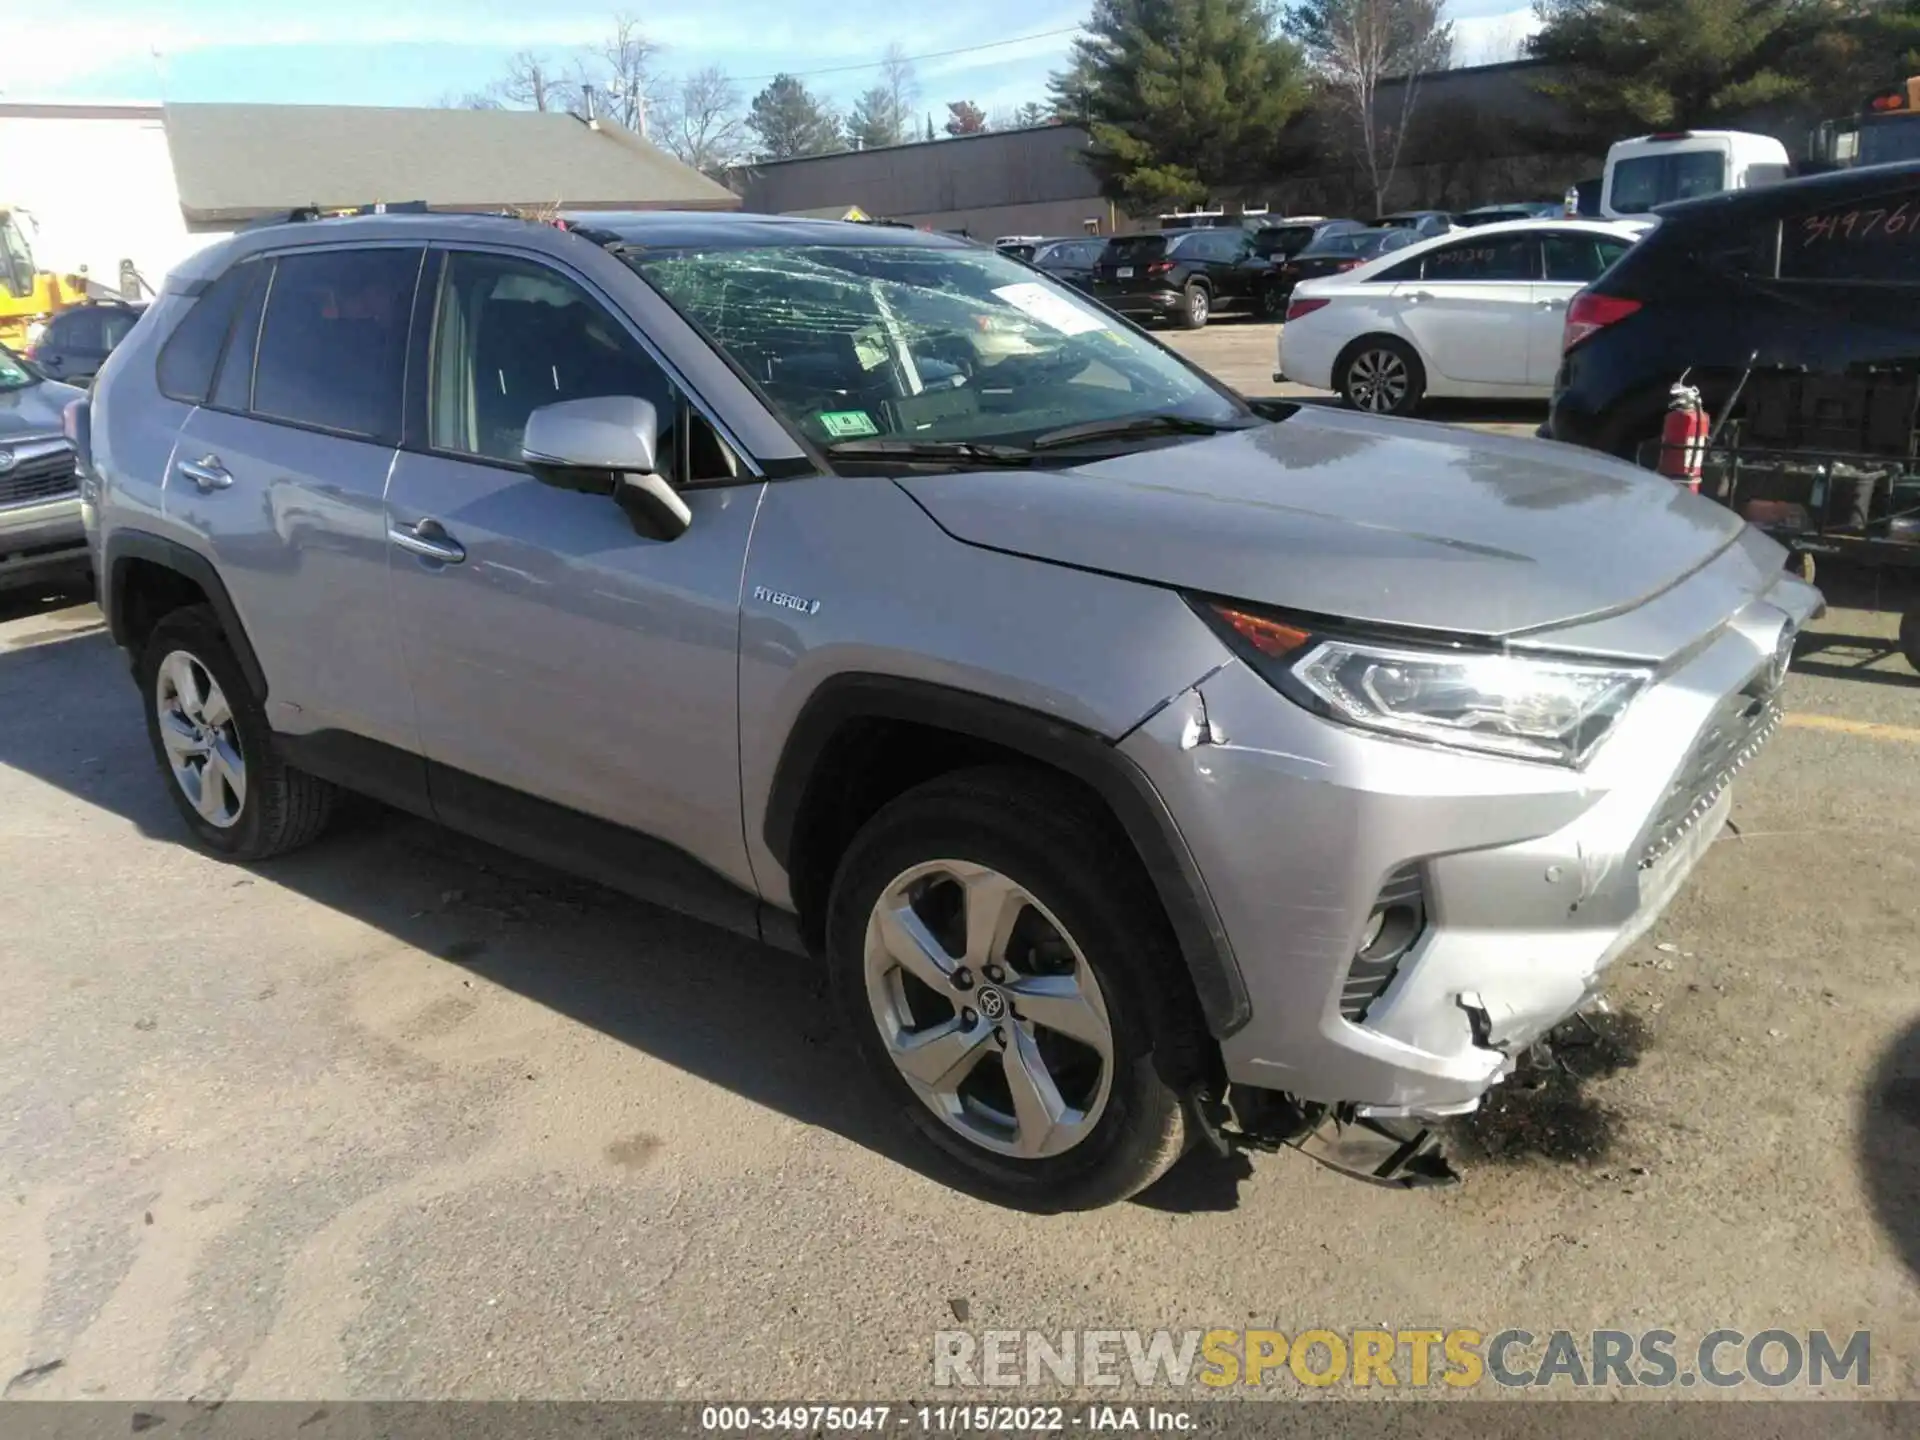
972,452
1134,425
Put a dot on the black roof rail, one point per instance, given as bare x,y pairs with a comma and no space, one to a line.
334,212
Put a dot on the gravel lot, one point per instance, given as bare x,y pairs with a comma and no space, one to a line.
403,1116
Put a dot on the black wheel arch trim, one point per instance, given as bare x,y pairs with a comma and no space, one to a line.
1080,753
126,545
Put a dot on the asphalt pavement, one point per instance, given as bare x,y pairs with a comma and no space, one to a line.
402,1116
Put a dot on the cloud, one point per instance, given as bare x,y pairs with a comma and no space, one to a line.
1488,38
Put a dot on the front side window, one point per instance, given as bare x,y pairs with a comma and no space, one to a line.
1508,257
923,343
512,335
333,343
115,326
1579,258
1645,181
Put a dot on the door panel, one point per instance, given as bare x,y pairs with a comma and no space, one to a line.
1470,309
1547,323
1469,331
569,658
554,650
298,531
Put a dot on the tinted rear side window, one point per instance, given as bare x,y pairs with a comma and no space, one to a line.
1874,240
76,330
1135,249
1511,257
1645,181
233,389
1580,258
334,340
188,358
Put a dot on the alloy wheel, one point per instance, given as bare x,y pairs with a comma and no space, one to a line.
197,731
1198,307
1377,380
988,1009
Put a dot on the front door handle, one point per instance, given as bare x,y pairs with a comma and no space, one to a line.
428,540
207,473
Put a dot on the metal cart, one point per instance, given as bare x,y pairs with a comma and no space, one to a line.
1829,465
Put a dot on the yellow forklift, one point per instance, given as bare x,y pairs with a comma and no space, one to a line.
29,296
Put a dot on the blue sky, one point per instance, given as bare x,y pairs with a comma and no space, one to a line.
412,52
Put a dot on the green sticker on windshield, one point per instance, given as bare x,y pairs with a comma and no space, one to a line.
842,423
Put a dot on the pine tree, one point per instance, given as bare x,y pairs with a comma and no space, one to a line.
1184,96
1631,66
789,120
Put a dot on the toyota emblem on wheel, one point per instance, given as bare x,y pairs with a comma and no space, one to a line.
992,1003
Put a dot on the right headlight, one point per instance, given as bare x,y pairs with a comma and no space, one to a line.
1496,702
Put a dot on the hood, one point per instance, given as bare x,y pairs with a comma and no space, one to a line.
1400,523
33,412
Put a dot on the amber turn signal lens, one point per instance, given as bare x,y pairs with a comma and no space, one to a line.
1269,637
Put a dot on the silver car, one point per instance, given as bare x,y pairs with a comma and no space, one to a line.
1144,768
41,538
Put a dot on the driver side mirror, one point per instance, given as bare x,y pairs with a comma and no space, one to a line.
606,445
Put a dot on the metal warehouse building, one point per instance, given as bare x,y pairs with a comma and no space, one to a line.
1004,182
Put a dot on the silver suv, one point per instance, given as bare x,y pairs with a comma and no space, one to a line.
1145,768
41,537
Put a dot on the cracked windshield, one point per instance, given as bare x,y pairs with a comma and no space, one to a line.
900,341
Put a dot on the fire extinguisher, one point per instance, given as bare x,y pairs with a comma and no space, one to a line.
1683,437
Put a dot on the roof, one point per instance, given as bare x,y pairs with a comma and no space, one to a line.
236,162
829,212
1833,188
666,229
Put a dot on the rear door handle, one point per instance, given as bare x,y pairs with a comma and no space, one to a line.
428,540
207,473
1553,304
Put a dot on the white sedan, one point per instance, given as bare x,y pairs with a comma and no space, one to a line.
1473,313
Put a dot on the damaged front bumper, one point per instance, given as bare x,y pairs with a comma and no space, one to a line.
1527,880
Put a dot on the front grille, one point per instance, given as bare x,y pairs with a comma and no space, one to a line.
39,477
1734,736
1402,901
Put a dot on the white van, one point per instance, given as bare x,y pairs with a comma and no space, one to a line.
1681,164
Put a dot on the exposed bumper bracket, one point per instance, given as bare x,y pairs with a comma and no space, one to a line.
1405,1154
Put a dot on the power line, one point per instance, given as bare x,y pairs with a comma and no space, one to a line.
930,55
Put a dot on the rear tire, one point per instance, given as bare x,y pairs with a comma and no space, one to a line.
1070,951
1196,306
215,749
1380,375
1910,638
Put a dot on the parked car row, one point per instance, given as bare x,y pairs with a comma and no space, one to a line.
1188,274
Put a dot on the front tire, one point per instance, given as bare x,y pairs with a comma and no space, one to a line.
1380,375
1910,638
1013,991
215,750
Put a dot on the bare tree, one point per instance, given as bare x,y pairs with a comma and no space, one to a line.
533,82
900,83
1357,45
702,122
621,67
